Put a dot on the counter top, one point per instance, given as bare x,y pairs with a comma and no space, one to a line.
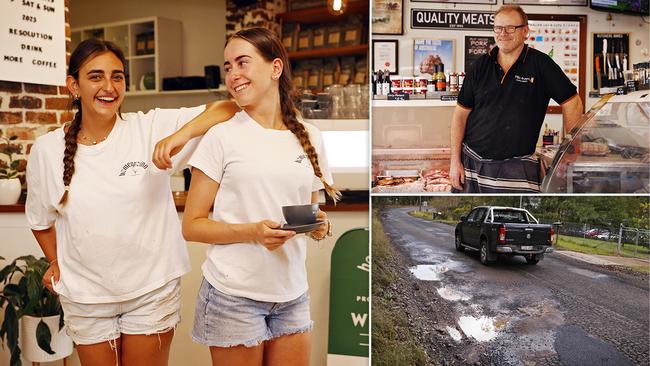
350,205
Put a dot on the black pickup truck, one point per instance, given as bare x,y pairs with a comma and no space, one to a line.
506,231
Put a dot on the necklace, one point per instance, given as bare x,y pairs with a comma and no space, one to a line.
85,138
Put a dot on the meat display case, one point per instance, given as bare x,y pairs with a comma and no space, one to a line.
410,146
609,151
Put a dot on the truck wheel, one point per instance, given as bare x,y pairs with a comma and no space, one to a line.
459,244
484,253
532,259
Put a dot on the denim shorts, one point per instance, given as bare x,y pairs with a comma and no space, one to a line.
222,320
155,312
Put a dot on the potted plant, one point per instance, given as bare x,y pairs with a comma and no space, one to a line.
38,310
10,186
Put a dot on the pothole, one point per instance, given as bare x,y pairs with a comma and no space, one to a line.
454,334
482,329
587,273
428,272
450,294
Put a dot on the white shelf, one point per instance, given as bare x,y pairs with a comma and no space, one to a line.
380,103
140,57
165,61
340,124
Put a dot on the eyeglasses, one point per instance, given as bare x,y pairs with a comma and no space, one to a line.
508,28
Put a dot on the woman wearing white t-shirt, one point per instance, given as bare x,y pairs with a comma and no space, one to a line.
104,215
253,305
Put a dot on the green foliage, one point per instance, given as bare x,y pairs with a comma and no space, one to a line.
24,294
10,170
605,211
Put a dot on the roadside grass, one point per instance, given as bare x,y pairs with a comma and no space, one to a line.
642,269
427,216
393,342
594,246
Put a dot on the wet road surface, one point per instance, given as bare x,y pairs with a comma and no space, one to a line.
558,312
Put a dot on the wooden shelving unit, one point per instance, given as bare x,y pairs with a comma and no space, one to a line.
319,18
163,61
321,15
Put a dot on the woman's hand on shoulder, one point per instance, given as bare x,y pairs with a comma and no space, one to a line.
268,234
168,147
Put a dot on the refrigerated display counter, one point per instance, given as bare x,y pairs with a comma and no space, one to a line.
609,151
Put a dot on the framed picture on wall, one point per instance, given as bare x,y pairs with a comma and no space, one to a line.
546,2
385,55
387,17
430,52
563,38
610,59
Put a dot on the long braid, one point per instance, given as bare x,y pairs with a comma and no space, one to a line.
298,129
70,149
86,50
271,48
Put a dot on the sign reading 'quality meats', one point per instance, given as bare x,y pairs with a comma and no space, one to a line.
451,19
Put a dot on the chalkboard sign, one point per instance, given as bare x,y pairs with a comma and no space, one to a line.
475,47
32,42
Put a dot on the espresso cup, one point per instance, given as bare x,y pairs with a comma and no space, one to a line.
300,214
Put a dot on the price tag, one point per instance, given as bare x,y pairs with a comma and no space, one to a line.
398,96
631,85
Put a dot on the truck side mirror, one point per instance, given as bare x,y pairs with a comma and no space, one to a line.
463,218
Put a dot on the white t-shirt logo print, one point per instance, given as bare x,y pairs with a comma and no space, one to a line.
300,158
133,168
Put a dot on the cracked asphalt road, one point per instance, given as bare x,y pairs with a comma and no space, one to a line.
558,312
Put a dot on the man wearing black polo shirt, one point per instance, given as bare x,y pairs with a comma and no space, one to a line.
501,109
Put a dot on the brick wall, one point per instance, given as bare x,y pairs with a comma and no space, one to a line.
260,14
31,110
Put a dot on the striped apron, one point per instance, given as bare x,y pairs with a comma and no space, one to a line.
520,174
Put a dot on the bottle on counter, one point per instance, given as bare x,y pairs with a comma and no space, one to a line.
385,85
453,82
431,85
378,83
441,80
461,79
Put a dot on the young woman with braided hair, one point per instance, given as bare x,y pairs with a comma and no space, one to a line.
253,305
104,216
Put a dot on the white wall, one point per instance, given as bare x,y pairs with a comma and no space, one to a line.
18,240
203,23
596,23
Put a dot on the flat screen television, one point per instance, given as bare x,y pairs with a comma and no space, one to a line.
635,7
